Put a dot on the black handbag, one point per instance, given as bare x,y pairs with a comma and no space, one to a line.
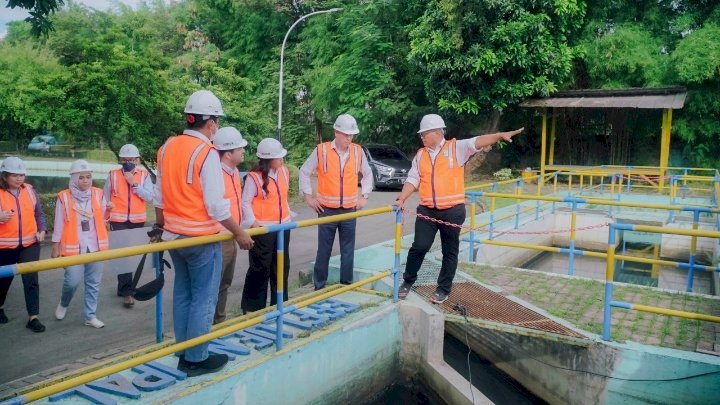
151,289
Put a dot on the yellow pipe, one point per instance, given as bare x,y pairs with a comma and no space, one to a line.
570,183
673,312
543,143
553,124
398,238
597,201
610,264
116,368
49,264
488,185
573,223
677,231
280,271
655,273
582,181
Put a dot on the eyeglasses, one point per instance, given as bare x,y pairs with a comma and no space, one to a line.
127,160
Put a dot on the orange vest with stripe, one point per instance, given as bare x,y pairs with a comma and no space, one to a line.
338,187
179,162
442,183
21,228
233,192
271,207
128,206
70,240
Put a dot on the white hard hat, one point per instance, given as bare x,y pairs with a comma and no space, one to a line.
346,124
228,138
270,148
80,166
13,164
129,151
431,121
204,102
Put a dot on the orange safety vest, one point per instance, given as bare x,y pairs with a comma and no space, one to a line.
271,207
180,160
233,192
128,206
442,182
338,187
70,240
21,228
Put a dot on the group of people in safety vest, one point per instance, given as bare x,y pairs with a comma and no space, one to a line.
198,191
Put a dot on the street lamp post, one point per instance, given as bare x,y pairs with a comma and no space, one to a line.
282,58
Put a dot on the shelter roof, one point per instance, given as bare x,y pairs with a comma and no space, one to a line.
664,97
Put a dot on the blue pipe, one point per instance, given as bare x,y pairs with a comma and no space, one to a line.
607,312
471,251
279,293
159,318
396,264
8,270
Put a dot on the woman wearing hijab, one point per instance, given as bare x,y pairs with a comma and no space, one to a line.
22,228
80,216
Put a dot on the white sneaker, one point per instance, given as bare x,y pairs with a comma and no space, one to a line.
60,312
95,323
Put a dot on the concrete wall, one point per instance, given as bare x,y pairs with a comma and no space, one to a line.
508,256
602,373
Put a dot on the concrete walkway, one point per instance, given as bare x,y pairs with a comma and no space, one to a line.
26,353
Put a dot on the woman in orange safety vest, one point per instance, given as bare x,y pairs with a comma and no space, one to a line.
265,202
80,228
22,228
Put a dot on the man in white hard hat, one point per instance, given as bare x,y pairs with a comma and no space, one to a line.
190,201
438,171
231,145
128,188
338,164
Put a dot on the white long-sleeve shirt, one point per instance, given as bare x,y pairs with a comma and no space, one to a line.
310,167
211,183
249,192
465,149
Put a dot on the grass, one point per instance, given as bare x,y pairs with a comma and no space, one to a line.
581,301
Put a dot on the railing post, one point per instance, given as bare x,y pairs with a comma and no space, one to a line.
693,251
471,251
518,191
280,286
609,271
398,247
492,212
555,176
571,244
159,321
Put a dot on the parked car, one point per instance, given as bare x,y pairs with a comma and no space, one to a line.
42,143
390,166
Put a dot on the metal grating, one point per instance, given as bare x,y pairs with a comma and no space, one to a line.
429,272
482,303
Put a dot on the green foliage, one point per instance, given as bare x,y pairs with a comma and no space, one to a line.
47,203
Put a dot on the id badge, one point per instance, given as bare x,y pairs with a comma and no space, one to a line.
85,225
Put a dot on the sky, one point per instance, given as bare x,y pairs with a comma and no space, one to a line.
8,14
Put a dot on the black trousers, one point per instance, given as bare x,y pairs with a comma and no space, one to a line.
263,266
124,288
31,287
326,238
425,232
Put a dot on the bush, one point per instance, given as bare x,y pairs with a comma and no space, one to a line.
503,174
47,203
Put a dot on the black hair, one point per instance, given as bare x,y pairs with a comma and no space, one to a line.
263,167
3,180
196,121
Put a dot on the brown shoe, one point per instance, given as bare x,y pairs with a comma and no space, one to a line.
128,301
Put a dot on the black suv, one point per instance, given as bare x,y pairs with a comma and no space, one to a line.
389,165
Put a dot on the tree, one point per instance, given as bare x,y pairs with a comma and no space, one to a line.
40,12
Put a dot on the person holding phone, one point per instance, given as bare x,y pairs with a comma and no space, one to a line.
128,188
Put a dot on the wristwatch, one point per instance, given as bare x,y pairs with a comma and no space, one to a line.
365,196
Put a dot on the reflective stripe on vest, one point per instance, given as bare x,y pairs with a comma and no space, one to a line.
128,206
21,228
233,192
271,207
70,240
338,185
180,160
442,182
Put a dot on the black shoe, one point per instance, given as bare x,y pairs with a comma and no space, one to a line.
214,362
404,290
35,325
438,297
3,317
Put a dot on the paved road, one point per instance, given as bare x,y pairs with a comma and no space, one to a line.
25,353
